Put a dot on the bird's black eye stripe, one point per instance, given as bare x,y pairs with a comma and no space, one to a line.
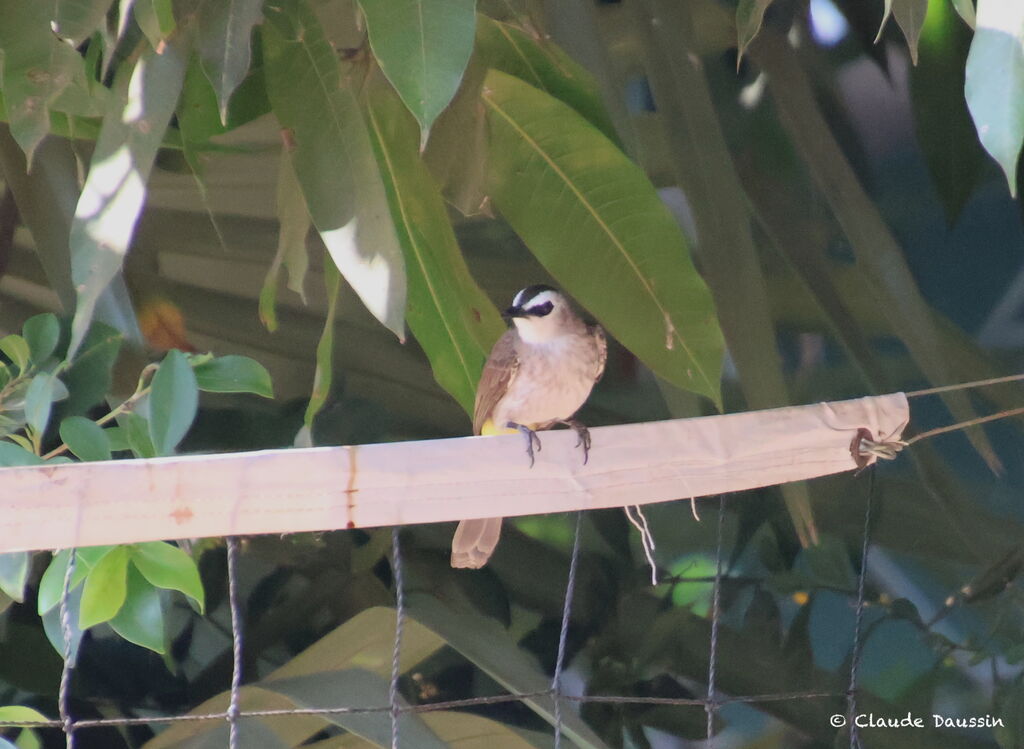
540,310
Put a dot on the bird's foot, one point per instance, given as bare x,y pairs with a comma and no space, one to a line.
583,436
531,438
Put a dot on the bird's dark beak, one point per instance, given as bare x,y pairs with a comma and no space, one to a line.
513,312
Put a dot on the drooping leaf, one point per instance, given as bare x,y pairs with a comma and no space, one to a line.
166,566
234,374
105,588
749,17
423,48
14,573
577,201
543,65
38,68
910,14
41,333
76,20
141,106
224,37
323,375
85,438
995,82
141,618
155,18
173,402
451,317
292,253
333,159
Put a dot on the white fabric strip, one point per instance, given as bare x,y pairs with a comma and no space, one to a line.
286,491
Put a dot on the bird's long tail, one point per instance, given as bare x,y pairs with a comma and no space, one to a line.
474,542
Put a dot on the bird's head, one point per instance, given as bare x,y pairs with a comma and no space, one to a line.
541,314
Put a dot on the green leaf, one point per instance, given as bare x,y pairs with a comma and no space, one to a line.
51,586
333,159
14,573
19,714
577,201
966,10
39,401
141,106
451,317
543,65
749,17
155,18
85,438
76,20
909,14
54,626
39,72
16,349
89,377
234,374
173,402
292,252
141,619
136,434
323,375
423,48
105,588
41,333
995,82
224,41
167,566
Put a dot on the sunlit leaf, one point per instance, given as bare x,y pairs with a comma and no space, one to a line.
166,566
141,618
995,82
234,374
451,317
333,159
85,438
105,588
173,402
224,38
41,333
577,201
143,101
423,48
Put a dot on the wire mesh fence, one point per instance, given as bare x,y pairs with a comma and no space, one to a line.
712,702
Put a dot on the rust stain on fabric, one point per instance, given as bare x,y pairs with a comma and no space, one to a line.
350,489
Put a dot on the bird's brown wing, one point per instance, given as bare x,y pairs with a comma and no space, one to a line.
498,372
602,348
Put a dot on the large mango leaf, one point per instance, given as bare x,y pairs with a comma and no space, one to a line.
995,82
333,159
140,109
579,203
423,48
451,317
224,40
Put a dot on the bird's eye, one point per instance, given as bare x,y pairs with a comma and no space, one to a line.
541,309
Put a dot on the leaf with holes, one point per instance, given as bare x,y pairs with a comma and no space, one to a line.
578,202
451,317
333,159
995,82
423,48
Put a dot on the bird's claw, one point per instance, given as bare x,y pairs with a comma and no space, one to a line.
531,439
582,437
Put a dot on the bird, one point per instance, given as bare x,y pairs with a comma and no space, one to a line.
538,375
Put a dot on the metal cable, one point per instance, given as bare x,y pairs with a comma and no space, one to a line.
563,635
396,567
234,709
